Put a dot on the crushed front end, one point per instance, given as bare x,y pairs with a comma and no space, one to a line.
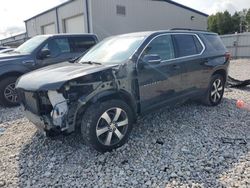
57,109
46,109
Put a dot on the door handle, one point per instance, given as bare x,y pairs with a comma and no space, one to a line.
176,67
29,62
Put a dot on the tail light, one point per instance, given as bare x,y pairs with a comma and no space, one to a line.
228,56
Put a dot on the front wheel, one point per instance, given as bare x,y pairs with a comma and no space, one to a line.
107,125
215,91
8,95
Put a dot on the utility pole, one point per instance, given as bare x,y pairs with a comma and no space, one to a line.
241,24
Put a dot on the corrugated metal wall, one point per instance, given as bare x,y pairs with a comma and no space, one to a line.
34,25
70,10
237,44
14,41
141,15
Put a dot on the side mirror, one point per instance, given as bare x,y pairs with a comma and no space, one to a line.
152,59
44,53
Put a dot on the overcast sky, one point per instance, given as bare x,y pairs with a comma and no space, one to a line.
14,12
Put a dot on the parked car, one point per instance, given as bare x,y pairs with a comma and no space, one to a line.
2,47
7,50
124,77
35,53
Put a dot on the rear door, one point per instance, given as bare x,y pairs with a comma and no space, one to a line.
160,83
189,49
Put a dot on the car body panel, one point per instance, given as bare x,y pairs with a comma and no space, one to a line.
54,76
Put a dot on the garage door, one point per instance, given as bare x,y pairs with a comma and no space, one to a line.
49,29
75,24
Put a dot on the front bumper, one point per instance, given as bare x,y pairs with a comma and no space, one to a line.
49,110
42,123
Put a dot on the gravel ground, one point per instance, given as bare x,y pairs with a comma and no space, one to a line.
178,147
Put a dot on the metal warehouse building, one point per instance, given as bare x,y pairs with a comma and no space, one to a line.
111,17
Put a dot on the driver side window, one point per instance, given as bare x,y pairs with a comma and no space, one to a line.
57,47
161,46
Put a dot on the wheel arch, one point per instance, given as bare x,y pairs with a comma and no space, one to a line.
222,72
10,74
105,96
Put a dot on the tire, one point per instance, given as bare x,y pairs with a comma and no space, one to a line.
8,95
106,126
215,91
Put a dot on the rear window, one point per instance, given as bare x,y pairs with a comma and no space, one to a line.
187,45
198,45
215,41
81,44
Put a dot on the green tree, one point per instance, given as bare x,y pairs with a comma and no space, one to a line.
225,23
236,22
243,22
248,19
212,23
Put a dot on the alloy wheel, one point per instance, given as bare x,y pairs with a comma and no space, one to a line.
217,90
112,126
10,93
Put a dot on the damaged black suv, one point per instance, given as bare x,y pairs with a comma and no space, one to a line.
121,78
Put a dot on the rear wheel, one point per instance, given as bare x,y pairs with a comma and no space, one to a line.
107,125
8,95
215,91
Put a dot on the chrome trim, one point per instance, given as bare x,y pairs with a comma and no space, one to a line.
201,42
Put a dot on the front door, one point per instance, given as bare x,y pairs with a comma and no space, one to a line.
59,51
159,83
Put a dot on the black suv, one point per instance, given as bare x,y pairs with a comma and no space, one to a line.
35,53
102,94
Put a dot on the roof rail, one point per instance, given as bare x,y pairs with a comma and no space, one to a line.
188,29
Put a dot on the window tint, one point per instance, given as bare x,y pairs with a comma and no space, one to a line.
185,45
215,42
57,46
81,44
161,46
199,47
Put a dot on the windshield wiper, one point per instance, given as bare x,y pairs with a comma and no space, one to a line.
91,63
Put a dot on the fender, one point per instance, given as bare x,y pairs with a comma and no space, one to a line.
83,104
220,68
13,69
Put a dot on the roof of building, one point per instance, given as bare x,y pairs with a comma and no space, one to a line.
168,1
65,3
185,7
14,36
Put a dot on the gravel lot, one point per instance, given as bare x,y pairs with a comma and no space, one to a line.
178,147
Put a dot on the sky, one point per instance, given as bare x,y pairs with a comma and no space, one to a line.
14,12
213,6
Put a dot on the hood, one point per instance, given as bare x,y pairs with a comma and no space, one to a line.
7,57
53,77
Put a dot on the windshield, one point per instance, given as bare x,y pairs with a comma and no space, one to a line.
113,50
30,45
